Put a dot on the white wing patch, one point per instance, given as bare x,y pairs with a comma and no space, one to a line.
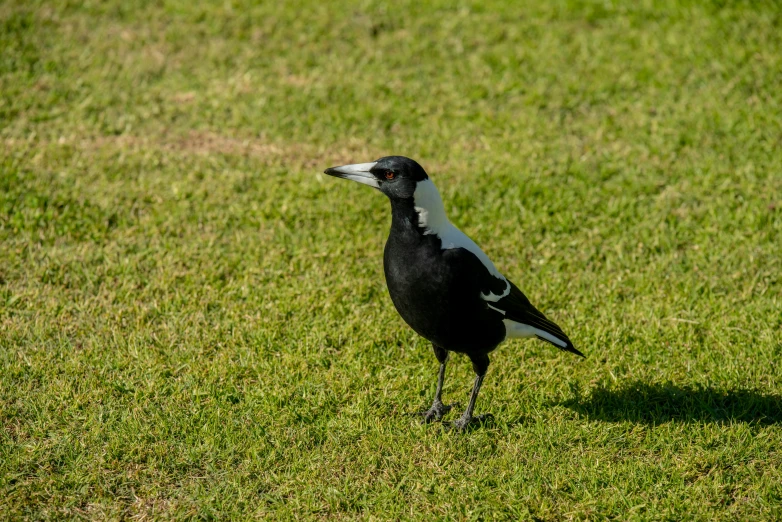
494,297
495,308
514,329
431,216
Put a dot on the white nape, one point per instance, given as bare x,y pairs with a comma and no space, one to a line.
514,329
431,216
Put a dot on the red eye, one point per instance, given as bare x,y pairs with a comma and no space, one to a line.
390,174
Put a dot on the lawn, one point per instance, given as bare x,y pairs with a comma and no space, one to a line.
194,322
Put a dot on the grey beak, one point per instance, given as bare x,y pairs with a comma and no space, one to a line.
357,172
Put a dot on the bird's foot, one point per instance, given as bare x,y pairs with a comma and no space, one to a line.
436,412
466,422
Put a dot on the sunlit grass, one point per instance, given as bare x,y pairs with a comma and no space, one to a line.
194,321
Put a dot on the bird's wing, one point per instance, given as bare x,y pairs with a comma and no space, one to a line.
516,307
500,294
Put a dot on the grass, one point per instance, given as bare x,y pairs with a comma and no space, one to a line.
194,322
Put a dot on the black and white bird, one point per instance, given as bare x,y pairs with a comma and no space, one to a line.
441,282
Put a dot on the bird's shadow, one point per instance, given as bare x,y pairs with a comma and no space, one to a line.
646,403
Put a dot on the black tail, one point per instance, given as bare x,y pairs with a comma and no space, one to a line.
553,329
518,308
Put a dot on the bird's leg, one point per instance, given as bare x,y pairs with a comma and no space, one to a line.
438,409
480,365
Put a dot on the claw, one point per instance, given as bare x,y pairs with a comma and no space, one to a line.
465,423
436,412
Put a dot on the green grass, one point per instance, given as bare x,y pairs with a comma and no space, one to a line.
194,321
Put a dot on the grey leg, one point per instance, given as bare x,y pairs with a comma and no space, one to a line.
480,365
438,409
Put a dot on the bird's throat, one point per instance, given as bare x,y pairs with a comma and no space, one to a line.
404,218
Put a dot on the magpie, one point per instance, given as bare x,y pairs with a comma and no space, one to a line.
441,282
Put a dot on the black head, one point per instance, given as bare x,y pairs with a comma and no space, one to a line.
395,176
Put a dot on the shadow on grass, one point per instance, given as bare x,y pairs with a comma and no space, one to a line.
659,403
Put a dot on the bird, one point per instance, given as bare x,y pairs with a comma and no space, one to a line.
442,284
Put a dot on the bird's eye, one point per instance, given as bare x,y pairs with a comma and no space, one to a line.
390,174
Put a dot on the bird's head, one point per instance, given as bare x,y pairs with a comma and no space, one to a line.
395,176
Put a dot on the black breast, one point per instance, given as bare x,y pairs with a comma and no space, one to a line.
437,292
